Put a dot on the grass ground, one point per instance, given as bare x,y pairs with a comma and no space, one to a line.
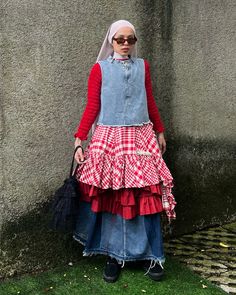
86,278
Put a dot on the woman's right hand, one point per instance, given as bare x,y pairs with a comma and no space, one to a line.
79,155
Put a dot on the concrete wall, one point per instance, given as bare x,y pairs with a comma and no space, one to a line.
203,111
47,49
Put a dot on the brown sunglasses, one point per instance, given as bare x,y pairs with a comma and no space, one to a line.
121,40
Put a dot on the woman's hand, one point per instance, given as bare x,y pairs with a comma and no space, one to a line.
79,155
162,142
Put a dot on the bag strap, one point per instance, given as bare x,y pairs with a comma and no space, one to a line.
72,164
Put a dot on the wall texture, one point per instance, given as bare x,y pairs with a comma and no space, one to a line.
203,112
47,49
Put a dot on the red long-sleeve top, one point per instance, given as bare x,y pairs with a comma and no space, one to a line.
93,102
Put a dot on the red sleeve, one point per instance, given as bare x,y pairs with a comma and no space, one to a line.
153,111
93,103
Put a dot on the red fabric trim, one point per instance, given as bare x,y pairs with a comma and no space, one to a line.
153,111
127,202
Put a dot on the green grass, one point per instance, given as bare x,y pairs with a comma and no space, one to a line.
86,278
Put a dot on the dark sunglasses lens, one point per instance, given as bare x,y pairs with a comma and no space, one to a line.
120,40
130,41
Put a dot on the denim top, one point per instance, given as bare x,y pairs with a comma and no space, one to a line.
123,93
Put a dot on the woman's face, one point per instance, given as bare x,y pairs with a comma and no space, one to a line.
123,49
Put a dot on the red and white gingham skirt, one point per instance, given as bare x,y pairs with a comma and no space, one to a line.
119,159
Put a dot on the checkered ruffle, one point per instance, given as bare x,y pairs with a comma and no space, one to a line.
126,157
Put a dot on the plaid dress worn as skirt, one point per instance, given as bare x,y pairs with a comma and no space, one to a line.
125,185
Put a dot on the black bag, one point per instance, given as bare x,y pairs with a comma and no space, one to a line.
65,204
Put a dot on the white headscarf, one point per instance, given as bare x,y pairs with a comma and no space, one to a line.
107,49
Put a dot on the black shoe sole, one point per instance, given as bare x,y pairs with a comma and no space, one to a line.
155,277
110,279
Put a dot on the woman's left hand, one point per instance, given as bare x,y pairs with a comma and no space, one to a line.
162,142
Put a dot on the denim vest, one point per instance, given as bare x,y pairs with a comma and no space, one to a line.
123,93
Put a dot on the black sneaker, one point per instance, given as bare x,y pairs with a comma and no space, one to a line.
155,273
112,270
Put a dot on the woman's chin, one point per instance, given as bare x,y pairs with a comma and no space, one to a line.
124,52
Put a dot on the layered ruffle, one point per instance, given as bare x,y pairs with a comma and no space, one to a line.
116,172
123,167
127,202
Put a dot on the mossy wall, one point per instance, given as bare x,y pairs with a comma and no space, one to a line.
47,50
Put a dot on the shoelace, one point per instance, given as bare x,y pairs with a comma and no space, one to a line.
152,265
122,264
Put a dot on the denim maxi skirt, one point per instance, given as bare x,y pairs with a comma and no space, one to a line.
126,240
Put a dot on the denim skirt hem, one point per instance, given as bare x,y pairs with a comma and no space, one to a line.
117,257
126,240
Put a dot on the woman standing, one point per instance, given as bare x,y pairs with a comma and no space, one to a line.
124,181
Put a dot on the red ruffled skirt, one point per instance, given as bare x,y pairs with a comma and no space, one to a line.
124,173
